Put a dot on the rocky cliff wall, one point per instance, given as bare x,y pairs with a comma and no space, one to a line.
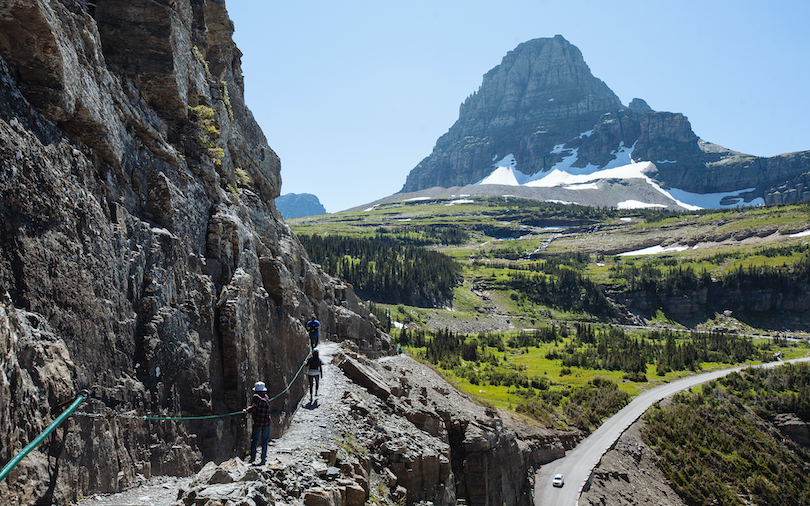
141,255
451,448
719,298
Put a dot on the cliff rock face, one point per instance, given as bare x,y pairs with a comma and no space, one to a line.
542,105
141,255
718,297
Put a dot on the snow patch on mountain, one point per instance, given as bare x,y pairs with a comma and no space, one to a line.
622,167
654,250
635,204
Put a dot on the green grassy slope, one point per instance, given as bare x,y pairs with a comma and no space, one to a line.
508,246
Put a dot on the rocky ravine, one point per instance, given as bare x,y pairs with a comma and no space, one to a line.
389,429
141,255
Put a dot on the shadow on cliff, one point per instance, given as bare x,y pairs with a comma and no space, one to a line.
55,448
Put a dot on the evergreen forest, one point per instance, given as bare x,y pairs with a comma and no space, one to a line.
386,269
721,444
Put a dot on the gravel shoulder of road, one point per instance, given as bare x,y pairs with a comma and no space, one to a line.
627,475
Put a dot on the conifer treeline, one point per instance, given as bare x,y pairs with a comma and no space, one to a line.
780,278
385,270
679,279
425,235
608,348
553,282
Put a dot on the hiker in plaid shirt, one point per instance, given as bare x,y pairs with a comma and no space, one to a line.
260,409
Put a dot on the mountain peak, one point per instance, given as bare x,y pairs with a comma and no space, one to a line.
297,205
543,106
536,80
540,92
639,105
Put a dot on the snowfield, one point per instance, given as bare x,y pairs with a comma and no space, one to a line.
622,167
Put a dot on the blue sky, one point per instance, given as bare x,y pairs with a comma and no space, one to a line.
352,95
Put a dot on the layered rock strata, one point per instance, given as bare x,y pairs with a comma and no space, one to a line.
141,255
543,105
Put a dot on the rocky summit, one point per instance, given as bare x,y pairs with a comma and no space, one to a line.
297,205
541,109
142,257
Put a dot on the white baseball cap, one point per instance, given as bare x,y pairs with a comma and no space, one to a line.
259,387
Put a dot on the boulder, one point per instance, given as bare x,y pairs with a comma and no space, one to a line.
351,365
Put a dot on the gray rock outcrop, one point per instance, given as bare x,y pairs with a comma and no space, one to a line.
141,253
793,428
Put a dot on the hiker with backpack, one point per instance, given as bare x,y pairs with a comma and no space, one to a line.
314,372
260,410
313,326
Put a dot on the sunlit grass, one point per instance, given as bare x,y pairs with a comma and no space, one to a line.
464,299
490,215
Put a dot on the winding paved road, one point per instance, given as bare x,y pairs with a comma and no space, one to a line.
577,465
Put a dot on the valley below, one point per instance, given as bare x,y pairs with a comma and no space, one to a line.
472,337
626,253
711,273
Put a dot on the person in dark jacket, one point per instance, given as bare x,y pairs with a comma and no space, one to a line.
314,372
260,410
313,328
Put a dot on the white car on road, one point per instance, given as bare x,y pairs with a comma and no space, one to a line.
558,480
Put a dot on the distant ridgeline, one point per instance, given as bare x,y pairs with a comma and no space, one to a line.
297,205
542,126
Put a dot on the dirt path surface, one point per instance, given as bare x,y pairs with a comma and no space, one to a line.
312,431
159,491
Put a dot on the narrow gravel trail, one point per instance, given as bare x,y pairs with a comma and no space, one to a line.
311,432
314,424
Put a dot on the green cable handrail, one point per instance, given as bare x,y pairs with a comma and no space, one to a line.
201,417
33,444
291,382
84,394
